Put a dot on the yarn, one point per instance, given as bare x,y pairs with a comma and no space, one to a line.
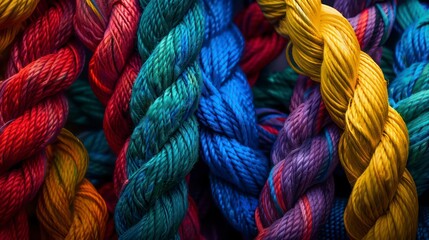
84,107
33,110
324,47
69,207
293,203
275,90
409,94
263,44
12,14
229,137
334,227
270,121
164,144
101,159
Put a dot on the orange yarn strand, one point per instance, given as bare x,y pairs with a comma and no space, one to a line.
374,146
69,207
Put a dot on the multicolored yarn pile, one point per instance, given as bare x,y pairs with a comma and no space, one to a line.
214,119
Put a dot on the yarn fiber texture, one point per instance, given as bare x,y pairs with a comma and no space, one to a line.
12,15
295,200
228,135
164,144
69,207
373,148
33,109
262,43
409,94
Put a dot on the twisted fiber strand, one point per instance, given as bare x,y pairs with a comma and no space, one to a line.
263,44
32,110
12,14
334,227
164,144
108,28
374,146
373,25
295,200
409,93
229,137
69,207
409,12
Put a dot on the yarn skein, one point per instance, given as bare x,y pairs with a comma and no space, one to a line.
164,144
295,200
373,148
69,207
33,110
12,14
229,136
409,93
262,43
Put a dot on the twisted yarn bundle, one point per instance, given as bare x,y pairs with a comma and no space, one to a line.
33,110
409,93
373,154
164,144
69,207
296,198
229,137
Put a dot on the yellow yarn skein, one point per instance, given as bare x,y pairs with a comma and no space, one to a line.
12,14
374,145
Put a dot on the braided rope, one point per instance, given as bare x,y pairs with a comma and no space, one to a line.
164,144
33,110
409,92
69,207
229,137
324,47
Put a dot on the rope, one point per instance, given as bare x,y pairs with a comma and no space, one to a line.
229,137
164,144
373,155
409,93
33,110
263,44
69,207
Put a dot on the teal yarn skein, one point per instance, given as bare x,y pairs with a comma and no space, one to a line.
409,92
164,144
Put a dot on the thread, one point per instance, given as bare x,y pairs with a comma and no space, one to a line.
409,94
69,207
262,43
164,144
33,110
229,137
324,47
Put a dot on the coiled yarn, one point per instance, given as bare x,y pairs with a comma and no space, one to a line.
229,136
69,207
409,93
33,109
373,148
164,144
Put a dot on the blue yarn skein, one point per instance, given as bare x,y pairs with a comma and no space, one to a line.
229,135
409,95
